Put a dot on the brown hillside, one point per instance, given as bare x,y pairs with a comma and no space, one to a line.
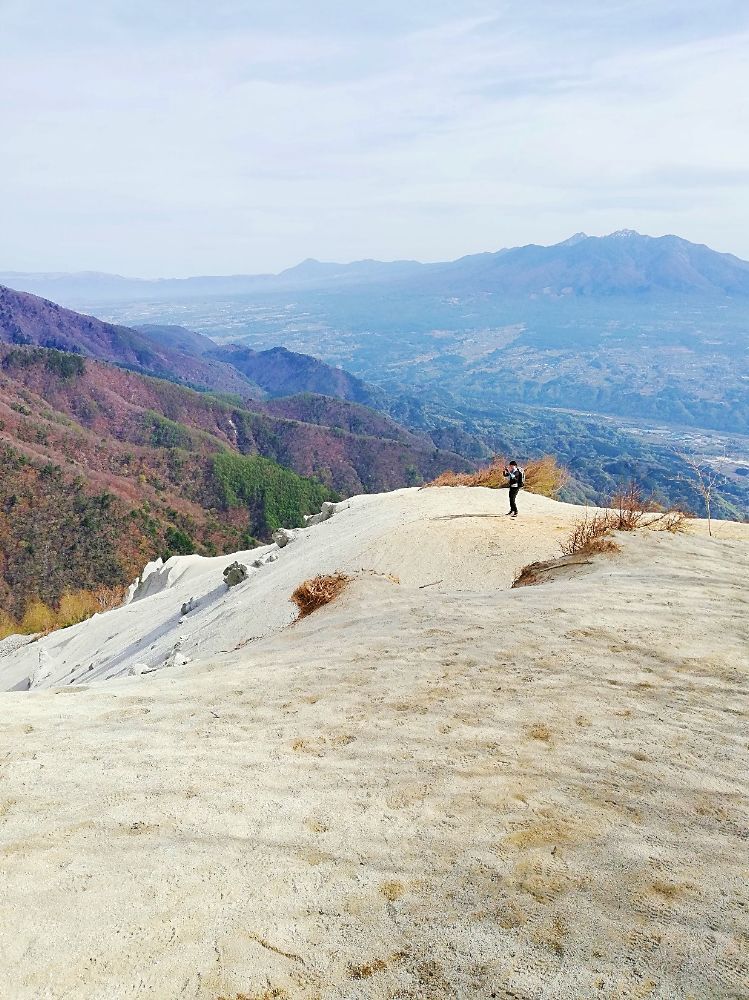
29,320
347,447
105,469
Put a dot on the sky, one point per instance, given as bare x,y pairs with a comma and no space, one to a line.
164,138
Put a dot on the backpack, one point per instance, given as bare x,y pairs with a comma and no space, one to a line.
521,478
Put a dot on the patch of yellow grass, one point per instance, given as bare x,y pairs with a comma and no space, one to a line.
74,607
37,618
539,731
392,890
542,475
8,625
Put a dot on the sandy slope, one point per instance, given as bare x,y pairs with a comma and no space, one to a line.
455,791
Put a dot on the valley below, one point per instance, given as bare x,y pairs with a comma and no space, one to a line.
652,401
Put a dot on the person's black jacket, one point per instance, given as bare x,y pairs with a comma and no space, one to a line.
514,479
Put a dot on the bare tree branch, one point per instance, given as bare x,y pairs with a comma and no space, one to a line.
706,480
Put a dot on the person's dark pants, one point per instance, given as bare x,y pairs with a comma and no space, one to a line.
514,490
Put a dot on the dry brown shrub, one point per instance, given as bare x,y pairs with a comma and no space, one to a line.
319,591
629,510
539,572
542,475
673,520
490,475
589,533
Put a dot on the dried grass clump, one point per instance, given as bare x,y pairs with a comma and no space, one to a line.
491,476
629,510
545,476
601,545
674,521
589,534
540,572
633,510
319,591
542,475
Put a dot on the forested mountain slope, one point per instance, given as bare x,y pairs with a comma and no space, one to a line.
105,468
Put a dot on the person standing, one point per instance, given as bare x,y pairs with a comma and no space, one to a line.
515,482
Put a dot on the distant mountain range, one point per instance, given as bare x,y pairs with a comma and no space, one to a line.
624,325
621,263
175,353
120,444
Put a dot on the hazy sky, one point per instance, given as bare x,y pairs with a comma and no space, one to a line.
151,137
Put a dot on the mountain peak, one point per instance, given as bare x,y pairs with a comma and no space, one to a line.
308,266
573,240
624,234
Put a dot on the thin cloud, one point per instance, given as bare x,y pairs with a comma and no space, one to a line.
164,138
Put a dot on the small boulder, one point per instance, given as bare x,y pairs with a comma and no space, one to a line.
234,574
326,511
283,536
189,606
263,560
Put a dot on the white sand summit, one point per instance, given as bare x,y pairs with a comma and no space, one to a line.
447,538
434,787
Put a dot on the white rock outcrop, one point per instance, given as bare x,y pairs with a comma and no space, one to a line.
326,512
283,536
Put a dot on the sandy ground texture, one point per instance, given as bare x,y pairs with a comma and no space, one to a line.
458,790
